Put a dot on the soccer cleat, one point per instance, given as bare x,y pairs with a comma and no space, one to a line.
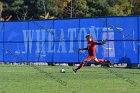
108,62
74,70
96,63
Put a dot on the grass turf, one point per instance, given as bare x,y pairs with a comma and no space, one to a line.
47,79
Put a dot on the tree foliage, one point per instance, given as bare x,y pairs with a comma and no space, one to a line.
1,9
120,8
44,9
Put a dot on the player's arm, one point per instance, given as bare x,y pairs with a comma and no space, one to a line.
83,48
101,43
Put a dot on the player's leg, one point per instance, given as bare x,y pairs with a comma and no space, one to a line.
102,61
82,64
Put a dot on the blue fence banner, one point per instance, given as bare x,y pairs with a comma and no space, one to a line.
58,41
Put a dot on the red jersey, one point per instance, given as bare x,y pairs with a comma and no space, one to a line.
92,48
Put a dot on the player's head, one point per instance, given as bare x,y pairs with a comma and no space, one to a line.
88,37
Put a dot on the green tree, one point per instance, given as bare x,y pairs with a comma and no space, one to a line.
36,9
76,8
48,6
120,8
1,9
20,9
136,7
109,7
97,7
13,7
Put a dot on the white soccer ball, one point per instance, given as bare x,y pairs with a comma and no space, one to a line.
62,71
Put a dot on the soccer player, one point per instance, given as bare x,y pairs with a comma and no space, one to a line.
91,52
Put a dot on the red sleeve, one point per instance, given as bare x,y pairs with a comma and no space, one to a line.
94,42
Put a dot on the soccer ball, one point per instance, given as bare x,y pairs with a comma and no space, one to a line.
62,70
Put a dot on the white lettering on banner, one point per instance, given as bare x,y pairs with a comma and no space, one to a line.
30,39
93,33
43,43
51,48
71,34
38,43
80,37
40,46
108,49
62,43
105,46
111,45
25,35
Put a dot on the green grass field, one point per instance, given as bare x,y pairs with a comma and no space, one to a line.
47,79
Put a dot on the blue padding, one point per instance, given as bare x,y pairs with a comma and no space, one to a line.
15,52
58,41
14,31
